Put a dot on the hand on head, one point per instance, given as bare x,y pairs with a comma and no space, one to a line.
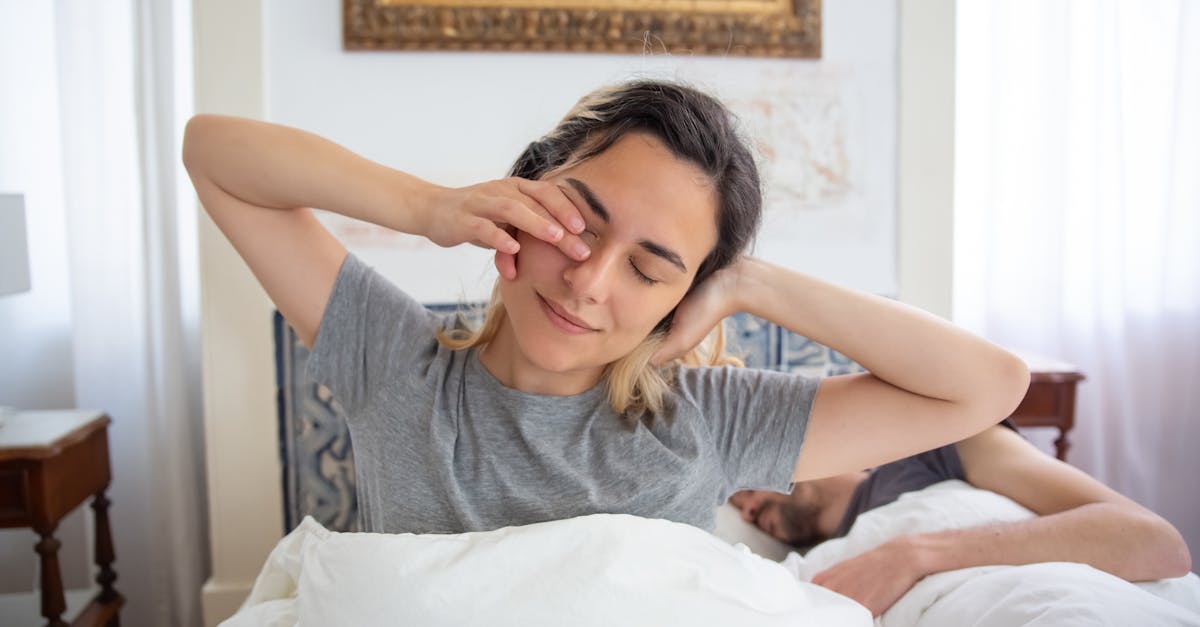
489,215
700,311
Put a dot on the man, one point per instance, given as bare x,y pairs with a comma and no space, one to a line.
1079,520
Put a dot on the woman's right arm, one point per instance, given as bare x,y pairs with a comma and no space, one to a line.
258,180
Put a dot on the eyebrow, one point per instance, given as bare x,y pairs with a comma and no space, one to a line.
601,212
665,253
594,203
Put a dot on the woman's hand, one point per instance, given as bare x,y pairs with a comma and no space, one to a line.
489,214
701,311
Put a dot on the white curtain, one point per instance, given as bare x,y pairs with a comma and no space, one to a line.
1078,221
124,91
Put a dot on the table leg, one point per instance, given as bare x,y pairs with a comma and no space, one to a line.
104,551
1061,444
53,601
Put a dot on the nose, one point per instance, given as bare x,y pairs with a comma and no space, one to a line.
591,279
749,507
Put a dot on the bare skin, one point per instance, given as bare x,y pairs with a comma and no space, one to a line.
1079,520
930,383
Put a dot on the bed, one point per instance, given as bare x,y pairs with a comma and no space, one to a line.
607,569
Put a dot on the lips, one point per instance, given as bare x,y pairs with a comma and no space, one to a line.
561,318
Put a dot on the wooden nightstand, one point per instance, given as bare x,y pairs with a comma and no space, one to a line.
50,462
1050,401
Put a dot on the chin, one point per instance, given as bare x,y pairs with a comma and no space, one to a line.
552,358
550,350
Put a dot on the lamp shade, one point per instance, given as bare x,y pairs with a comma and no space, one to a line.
14,252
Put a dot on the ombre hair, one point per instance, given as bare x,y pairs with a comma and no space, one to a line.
696,128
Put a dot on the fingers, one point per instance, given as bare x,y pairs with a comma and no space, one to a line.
562,210
488,235
555,202
522,216
535,207
506,265
537,222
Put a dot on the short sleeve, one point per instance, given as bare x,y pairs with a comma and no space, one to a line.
372,334
757,419
943,462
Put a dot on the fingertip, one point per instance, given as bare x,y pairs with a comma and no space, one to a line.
506,265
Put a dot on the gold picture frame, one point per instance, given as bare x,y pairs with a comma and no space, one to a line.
761,28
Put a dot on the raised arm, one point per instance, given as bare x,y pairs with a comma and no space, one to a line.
258,181
929,383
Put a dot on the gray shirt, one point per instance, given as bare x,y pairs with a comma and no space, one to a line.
886,483
441,446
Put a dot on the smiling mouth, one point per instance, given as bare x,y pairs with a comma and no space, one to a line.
562,319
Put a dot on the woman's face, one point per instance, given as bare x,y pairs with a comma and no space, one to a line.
651,221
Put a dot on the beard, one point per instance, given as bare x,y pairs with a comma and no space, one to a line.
798,524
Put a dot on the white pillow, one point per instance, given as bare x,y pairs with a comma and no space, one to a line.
951,504
732,529
603,569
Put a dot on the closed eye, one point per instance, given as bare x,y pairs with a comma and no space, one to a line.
640,275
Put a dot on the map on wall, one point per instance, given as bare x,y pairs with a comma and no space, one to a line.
799,128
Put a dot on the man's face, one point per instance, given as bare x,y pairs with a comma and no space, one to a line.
651,221
789,518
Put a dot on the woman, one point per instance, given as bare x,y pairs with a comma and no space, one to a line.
619,240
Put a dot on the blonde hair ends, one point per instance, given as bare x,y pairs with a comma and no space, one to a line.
635,386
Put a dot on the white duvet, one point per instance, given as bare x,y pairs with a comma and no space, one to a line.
1058,594
623,570
604,569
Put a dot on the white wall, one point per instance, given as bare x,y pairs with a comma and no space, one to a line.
926,160
461,118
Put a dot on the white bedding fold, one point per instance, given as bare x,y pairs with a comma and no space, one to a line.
604,569
1058,594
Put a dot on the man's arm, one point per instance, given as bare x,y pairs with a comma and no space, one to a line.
1079,520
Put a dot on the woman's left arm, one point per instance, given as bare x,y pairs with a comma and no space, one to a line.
929,383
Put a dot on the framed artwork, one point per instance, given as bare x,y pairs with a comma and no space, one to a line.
763,28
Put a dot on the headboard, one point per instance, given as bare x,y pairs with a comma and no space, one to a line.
314,444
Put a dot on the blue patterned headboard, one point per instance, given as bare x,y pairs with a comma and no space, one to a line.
314,443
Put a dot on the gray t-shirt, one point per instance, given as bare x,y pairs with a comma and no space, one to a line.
884,484
441,446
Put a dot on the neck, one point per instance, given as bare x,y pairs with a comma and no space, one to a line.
504,360
836,492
